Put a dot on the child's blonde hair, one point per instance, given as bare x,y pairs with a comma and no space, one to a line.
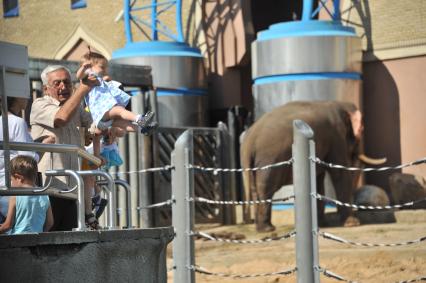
25,166
92,57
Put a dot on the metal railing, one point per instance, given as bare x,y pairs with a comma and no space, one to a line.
77,175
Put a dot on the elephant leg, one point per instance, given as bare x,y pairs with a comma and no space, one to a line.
264,210
344,192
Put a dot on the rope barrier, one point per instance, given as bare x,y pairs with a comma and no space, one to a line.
202,270
369,207
266,240
216,170
330,274
336,166
329,236
160,204
148,170
200,199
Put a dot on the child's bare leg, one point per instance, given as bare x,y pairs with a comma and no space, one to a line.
89,184
119,112
124,125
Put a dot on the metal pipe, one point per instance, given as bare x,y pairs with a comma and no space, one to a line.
56,148
314,230
307,10
6,154
302,133
127,26
154,33
336,11
183,209
112,204
179,20
126,186
81,222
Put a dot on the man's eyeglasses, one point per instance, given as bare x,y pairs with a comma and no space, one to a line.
57,83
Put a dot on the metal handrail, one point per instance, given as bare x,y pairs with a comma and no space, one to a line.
126,186
56,148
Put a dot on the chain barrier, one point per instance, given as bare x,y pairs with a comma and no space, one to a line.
266,240
370,207
329,236
148,170
209,201
202,270
336,166
216,170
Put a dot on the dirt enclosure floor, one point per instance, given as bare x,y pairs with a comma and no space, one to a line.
354,263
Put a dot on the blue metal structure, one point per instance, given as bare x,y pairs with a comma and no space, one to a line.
308,59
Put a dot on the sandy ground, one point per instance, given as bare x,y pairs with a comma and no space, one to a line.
361,264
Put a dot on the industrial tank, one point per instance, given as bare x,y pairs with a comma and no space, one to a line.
305,60
178,76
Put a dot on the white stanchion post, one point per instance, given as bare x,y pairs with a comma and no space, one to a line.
302,134
183,209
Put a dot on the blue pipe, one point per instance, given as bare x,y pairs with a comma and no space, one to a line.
127,27
336,11
179,20
307,10
154,33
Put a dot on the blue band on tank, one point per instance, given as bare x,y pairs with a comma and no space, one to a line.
156,48
305,28
306,77
181,92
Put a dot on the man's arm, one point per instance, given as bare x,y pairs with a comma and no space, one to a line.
68,109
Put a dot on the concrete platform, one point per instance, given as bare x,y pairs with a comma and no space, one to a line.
133,255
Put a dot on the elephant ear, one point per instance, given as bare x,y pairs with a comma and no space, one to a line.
353,120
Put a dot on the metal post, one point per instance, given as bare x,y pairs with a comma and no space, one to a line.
314,212
183,209
126,187
6,152
81,222
111,196
302,134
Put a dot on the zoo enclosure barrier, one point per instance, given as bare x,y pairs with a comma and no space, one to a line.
76,175
306,230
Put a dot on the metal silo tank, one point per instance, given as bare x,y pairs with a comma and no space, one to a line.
178,76
305,60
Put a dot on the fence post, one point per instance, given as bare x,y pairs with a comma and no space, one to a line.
302,135
183,209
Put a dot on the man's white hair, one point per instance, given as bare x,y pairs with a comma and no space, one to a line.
49,69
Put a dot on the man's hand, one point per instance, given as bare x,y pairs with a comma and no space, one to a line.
49,139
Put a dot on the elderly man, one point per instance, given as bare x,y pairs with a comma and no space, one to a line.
59,113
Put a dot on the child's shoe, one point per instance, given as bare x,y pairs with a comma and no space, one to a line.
149,129
143,120
92,221
99,204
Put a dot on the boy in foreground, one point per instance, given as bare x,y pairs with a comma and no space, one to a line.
26,214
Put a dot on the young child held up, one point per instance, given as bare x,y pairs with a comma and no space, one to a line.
26,214
107,101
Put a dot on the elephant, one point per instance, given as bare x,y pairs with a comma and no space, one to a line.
337,130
